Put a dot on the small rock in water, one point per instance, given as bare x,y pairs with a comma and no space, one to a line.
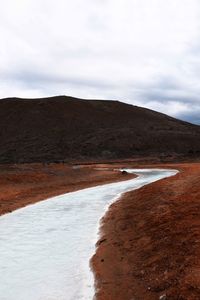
124,172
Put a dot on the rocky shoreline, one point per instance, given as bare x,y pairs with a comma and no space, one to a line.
150,242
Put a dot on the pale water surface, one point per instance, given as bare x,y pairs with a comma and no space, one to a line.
45,248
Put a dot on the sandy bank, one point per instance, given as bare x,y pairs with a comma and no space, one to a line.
25,184
150,244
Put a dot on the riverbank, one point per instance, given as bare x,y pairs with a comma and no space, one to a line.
150,238
150,241
25,184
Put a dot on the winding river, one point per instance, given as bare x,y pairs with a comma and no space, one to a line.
45,248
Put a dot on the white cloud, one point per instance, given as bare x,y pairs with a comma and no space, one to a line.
144,52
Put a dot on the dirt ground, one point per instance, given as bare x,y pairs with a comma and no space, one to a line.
150,239
150,242
25,184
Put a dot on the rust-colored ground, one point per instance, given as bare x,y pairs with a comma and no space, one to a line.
21,185
150,243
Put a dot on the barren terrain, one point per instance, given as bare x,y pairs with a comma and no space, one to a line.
68,129
25,184
150,243
150,239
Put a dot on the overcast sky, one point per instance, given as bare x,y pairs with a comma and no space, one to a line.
144,52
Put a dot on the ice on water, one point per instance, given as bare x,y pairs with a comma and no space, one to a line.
45,248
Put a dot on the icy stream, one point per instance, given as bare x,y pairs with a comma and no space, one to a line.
45,248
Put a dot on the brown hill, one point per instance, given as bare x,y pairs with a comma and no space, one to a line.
65,128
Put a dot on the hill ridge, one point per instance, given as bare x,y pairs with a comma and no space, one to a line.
64,128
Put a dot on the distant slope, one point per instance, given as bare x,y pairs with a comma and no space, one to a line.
65,128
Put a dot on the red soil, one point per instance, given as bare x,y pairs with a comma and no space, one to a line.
150,243
21,185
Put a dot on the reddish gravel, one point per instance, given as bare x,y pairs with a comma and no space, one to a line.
25,184
150,244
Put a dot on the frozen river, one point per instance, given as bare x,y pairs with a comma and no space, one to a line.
45,248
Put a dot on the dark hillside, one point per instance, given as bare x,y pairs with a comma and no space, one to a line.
66,128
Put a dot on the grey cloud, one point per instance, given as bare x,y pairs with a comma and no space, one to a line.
192,117
30,78
136,51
